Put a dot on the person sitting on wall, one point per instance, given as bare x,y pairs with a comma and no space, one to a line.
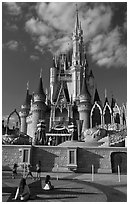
23,191
48,185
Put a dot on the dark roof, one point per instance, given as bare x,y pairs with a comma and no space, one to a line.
40,88
113,103
96,96
106,101
84,90
91,74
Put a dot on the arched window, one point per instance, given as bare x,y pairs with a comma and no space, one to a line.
107,115
117,118
14,116
96,116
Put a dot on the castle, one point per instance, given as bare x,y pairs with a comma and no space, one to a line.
73,105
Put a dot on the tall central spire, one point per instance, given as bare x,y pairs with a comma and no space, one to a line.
77,19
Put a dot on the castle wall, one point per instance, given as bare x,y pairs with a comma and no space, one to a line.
51,156
23,125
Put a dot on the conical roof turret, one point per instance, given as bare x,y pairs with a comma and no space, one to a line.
40,90
27,99
84,90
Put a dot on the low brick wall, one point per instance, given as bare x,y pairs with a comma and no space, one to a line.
52,157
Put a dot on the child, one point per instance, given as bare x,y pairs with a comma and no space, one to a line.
38,169
14,170
48,185
29,171
23,191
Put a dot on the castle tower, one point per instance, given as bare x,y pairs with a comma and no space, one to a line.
77,58
84,107
25,111
53,72
38,107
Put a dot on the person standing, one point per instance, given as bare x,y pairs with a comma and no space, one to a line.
29,173
38,170
14,170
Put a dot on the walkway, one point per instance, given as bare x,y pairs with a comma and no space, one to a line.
71,187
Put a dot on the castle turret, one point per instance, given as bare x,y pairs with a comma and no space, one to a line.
38,107
25,111
53,72
85,105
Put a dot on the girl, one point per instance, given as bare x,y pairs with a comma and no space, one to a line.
23,191
48,185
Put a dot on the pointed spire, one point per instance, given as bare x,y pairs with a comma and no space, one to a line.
54,61
105,93
96,96
77,19
40,86
113,102
41,73
28,85
91,74
26,102
106,99
84,90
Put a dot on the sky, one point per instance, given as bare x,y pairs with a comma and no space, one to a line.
33,32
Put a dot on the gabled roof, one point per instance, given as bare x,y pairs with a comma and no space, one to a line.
96,96
61,88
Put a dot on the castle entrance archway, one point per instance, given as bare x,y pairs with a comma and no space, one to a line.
119,158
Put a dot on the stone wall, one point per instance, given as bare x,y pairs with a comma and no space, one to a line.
56,158
11,154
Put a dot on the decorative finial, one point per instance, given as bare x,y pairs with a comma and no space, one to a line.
28,85
105,93
41,73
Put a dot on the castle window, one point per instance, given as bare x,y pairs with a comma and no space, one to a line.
26,155
72,158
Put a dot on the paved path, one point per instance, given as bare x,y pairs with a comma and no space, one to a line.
71,187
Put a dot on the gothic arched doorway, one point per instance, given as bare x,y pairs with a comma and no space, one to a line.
119,158
96,117
107,116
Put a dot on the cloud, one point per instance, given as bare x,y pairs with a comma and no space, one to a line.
12,27
53,27
34,57
13,8
11,45
107,50
55,23
14,45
